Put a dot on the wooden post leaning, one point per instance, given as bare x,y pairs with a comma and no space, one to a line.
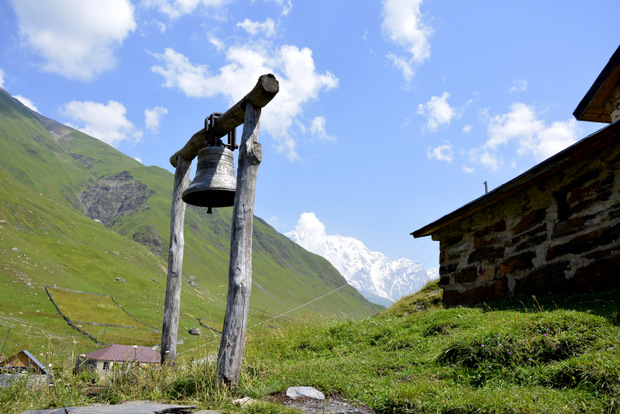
175,264
240,268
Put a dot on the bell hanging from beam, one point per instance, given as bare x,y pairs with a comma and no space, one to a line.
214,184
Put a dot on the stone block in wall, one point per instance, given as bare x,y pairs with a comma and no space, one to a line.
530,220
444,280
532,242
544,279
598,190
486,241
486,293
443,257
568,227
447,268
587,204
492,229
587,242
448,242
466,275
602,254
529,239
517,263
614,211
600,274
486,254
584,177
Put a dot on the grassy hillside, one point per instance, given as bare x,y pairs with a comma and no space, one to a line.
540,355
557,354
46,239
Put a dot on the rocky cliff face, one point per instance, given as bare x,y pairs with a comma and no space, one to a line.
114,196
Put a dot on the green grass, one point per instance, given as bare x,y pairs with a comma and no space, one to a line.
557,354
429,298
503,359
86,307
102,318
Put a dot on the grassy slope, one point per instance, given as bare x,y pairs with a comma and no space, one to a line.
40,216
548,355
541,355
46,242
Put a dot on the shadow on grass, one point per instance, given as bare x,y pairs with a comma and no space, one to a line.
605,304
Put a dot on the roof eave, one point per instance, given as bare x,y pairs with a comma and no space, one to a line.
591,108
571,155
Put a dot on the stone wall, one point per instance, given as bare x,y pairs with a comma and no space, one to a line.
561,234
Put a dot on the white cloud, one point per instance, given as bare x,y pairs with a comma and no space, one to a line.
27,102
152,118
402,24
177,8
518,85
467,128
216,41
286,6
520,123
317,129
311,232
403,65
76,38
438,111
293,67
104,122
532,135
441,153
268,27
486,158
553,139
523,128
1,78
468,170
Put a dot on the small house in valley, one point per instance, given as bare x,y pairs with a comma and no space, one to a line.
23,362
23,365
554,228
105,359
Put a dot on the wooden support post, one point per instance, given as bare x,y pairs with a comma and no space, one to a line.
246,110
175,264
240,269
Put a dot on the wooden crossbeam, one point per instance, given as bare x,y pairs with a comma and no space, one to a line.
265,90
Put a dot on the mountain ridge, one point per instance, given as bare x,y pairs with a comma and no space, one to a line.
49,180
377,277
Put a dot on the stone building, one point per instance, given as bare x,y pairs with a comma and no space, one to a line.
554,228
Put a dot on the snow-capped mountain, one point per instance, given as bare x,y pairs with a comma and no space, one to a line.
377,277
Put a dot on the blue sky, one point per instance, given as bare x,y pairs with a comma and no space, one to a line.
390,113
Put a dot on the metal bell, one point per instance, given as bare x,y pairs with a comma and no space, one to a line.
214,184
